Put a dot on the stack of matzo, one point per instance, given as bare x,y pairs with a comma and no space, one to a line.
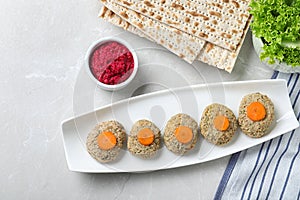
209,31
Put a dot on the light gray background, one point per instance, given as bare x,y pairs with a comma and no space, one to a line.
42,49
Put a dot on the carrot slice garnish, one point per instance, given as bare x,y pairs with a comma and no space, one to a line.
256,111
221,123
184,134
145,136
106,140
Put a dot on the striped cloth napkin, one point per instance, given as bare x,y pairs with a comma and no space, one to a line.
270,170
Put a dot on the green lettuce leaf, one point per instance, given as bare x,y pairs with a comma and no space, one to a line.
277,22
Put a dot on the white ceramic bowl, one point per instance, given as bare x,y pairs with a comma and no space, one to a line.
89,53
281,67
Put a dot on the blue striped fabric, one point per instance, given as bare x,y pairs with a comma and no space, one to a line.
270,170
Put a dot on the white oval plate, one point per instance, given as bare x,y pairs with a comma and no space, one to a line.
159,107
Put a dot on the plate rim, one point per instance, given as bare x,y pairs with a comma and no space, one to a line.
174,89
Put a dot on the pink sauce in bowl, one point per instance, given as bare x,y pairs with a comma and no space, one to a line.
111,63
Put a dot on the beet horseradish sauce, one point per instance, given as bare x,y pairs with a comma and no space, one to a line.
111,63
